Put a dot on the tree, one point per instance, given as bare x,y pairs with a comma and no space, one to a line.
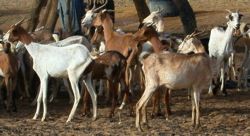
49,18
187,15
35,13
142,9
52,16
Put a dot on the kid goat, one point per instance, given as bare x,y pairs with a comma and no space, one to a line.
69,61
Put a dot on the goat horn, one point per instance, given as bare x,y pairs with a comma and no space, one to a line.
40,28
192,34
95,10
158,10
199,33
109,10
93,5
229,11
19,22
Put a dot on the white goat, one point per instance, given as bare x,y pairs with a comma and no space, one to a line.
70,61
221,45
20,49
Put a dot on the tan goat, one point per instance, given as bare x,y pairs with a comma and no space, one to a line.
174,71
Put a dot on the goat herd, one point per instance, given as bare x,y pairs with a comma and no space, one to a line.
164,62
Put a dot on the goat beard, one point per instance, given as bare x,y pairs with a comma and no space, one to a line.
236,32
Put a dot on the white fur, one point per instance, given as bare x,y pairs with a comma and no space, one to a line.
221,45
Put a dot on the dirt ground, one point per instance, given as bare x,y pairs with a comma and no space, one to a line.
219,115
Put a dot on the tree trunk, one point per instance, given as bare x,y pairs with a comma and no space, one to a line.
187,15
142,9
45,15
52,16
35,14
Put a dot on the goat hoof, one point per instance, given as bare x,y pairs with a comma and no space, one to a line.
94,119
146,125
152,115
84,114
224,94
197,126
111,115
167,118
158,114
35,117
43,119
68,121
139,129
111,120
14,110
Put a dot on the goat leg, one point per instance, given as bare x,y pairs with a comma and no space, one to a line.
167,103
86,109
113,89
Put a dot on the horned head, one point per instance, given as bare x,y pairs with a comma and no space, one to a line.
91,14
190,43
11,33
155,19
234,19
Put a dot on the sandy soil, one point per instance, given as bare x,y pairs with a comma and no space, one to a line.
219,115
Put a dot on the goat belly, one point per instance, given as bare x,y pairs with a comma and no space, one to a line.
177,82
56,70
1,73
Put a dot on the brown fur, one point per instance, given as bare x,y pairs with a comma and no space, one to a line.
19,33
9,67
111,66
118,42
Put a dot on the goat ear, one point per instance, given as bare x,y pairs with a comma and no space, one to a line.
240,16
104,10
229,17
103,15
140,25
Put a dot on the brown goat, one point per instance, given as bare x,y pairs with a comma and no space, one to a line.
118,42
8,70
111,66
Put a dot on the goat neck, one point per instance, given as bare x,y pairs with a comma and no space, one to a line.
107,27
200,49
156,43
228,38
229,32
